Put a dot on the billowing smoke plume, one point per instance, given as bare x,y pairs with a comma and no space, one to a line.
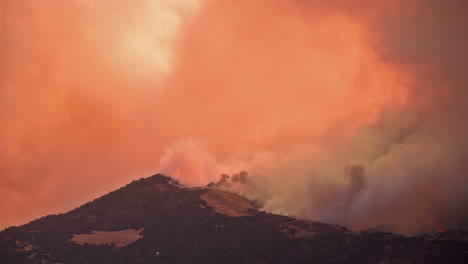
348,113
79,98
190,163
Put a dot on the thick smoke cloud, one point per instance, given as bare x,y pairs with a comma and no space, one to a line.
348,113
400,169
78,84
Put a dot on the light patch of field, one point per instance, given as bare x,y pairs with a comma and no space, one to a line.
226,203
118,238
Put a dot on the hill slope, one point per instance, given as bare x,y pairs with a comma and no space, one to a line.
155,220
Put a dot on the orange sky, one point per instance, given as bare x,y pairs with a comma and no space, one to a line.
97,93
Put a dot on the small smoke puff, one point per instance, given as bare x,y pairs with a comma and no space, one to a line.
227,181
222,182
355,174
189,162
240,177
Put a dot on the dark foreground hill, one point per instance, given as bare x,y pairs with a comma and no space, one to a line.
155,220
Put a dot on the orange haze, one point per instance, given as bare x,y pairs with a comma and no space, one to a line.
348,114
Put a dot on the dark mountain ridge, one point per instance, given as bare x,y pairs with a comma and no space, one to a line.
156,220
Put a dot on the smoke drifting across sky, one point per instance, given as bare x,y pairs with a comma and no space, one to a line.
345,113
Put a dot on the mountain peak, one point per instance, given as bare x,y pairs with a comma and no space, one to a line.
156,219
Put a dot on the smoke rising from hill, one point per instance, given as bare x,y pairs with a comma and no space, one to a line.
345,113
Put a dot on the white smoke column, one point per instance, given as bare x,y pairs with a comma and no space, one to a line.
190,163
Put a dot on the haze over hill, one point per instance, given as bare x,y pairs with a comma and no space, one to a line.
156,220
346,112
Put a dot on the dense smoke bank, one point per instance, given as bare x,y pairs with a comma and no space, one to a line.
345,113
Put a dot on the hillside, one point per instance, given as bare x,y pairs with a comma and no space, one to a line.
156,220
